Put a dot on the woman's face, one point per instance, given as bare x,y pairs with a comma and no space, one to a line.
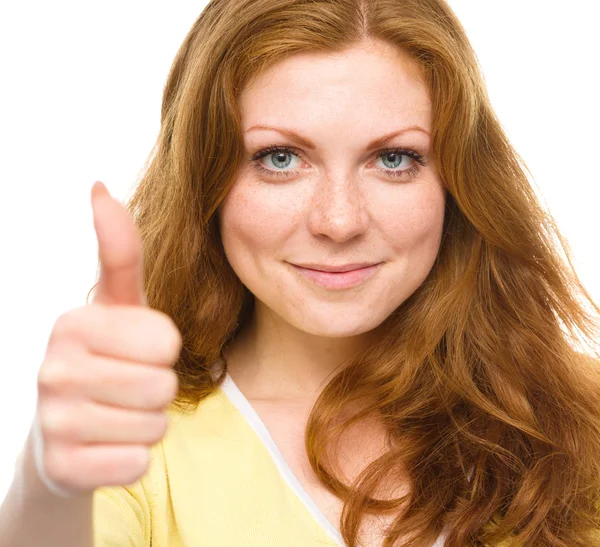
333,204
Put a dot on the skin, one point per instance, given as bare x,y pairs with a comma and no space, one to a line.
338,209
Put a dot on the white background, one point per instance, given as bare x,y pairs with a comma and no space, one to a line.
80,101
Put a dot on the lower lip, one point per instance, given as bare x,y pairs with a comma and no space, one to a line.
341,280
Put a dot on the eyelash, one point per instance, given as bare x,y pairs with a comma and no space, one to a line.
411,172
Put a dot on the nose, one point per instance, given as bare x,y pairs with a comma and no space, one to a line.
338,209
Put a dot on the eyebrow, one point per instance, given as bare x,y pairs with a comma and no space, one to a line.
304,141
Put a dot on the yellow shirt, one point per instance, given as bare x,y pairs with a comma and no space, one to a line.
217,479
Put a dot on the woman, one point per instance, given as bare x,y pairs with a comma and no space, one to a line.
430,395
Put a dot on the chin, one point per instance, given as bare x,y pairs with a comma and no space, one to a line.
331,326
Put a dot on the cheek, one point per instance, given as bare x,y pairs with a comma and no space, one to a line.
250,222
417,223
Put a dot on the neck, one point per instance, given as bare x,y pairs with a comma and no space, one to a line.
277,361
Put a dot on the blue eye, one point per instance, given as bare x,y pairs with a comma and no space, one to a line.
397,154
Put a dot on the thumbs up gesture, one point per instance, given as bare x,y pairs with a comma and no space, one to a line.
106,379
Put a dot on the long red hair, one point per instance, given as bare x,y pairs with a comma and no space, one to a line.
487,376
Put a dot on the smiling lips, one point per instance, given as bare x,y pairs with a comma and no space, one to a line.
339,277
336,269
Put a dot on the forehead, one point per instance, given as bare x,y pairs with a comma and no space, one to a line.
362,85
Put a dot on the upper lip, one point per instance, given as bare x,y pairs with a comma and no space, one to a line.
337,269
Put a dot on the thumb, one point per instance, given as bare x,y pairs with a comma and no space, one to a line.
120,251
